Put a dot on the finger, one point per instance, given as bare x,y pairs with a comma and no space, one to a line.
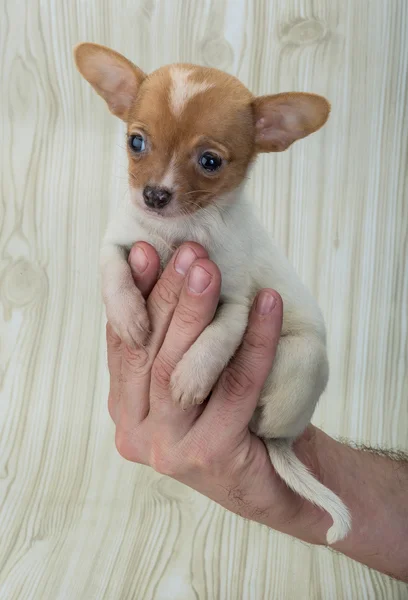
237,392
195,310
137,362
145,266
163,300
128,395
114,349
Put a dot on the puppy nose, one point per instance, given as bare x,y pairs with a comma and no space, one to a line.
156,197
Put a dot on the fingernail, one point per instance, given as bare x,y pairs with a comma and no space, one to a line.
198,280
184,260
265,303
139,260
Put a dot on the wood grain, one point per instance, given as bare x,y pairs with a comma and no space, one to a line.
76,521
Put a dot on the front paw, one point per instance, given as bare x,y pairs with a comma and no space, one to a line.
127,314
193,379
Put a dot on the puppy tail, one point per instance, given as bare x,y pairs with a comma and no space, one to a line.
299,479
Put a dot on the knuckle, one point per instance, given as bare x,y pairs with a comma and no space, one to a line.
236,381
112,339
130,443
255,343
162,465
162,371
186,316
164,294
203,462
124,445
161,461
137,359
208,458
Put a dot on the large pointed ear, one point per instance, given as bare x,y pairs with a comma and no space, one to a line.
282,119
113,77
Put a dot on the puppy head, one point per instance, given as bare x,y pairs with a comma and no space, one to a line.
193,131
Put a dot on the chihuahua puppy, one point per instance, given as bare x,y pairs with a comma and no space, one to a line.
192,133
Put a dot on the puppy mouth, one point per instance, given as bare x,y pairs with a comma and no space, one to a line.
155,212
178,207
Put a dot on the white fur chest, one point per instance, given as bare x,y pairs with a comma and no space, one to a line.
220,233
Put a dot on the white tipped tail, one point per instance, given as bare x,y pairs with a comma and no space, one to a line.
300,480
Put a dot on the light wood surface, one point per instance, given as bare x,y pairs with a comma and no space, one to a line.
77,522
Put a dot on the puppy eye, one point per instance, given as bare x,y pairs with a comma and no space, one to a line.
137,143
210,162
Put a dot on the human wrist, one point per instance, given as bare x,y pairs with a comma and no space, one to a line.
373,485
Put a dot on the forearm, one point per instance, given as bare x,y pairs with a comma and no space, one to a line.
374,486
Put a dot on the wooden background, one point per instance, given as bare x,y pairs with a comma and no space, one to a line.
77,522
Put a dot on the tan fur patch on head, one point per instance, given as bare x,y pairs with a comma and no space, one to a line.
183,88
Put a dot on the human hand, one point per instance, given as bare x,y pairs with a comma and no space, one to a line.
209,447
